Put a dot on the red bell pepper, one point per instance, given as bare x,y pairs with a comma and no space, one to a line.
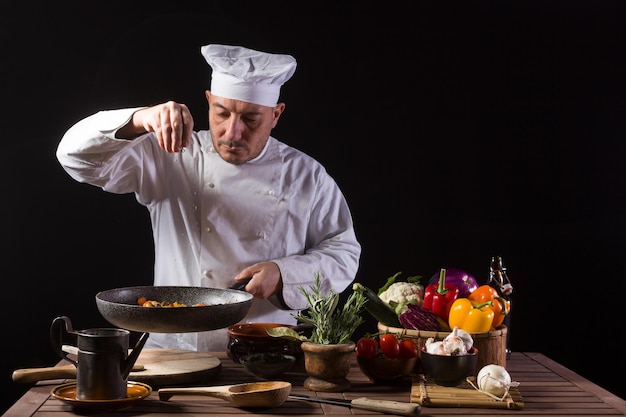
438,297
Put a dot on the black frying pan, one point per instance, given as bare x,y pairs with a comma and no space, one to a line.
224,307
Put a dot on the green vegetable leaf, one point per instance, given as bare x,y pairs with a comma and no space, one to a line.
390,281
414,279
285,332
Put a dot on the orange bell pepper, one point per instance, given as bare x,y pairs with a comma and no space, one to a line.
500,306
471,316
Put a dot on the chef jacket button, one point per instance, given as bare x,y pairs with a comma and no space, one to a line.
210,149
270,192
207,274
211,185
208,229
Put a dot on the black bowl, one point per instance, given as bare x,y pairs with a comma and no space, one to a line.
223,308
267,364
248,338
449,371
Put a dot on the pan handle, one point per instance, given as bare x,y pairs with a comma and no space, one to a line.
240,285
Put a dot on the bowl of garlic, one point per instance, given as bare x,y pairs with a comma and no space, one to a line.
451,360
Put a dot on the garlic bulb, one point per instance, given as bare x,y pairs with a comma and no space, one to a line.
456,343
467,338
495,380
434,347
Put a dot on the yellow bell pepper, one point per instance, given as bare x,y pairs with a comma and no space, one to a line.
471,316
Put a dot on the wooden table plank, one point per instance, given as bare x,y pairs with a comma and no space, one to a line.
29,402
547,388
583,383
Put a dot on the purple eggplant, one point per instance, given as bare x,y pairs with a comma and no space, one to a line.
418,318
465,282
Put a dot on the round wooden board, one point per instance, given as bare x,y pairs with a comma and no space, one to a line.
169,367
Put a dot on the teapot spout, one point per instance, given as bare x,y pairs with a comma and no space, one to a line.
132,358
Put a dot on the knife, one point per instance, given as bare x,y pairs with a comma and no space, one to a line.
363,403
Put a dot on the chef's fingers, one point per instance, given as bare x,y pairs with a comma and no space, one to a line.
243,279
172,124
187,126
176,126
266,279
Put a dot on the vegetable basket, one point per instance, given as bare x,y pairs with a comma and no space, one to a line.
491,345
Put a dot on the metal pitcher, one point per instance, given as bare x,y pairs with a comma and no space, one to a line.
103,362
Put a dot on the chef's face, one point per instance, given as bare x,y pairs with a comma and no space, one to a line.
239,129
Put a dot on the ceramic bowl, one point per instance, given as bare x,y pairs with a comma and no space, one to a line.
449,371
268,364
384,370
248,338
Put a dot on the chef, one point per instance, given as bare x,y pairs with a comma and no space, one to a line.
229,203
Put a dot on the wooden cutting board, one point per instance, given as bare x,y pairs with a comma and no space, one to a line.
426,392
170,367
161,367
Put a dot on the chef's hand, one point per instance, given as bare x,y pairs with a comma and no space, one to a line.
266,279
171,122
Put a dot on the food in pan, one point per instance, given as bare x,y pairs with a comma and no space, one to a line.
144,302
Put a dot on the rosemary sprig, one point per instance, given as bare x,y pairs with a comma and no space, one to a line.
330,324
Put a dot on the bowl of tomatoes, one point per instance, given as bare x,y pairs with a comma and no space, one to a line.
386,358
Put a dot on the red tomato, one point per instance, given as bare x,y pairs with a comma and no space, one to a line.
408,348
367,347
389,345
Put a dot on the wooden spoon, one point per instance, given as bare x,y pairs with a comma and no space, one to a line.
253,394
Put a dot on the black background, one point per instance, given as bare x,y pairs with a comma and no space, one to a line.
457,131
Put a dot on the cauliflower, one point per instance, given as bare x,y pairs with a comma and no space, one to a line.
399,294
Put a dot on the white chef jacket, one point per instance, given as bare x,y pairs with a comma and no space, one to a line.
210,219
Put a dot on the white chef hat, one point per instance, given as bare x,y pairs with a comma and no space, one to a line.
245,74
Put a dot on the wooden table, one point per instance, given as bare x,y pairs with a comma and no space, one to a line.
547,388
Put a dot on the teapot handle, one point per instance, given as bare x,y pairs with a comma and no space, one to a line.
56,336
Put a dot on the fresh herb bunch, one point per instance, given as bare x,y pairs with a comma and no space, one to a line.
331,325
